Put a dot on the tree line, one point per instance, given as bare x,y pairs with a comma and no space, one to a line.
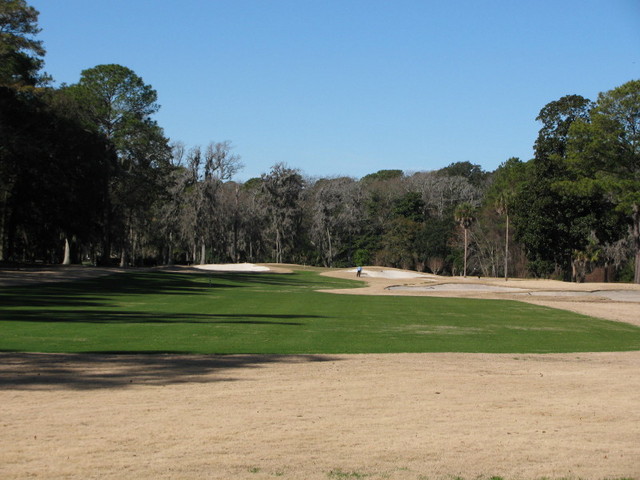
87,175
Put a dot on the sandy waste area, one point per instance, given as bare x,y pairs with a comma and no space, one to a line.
394,416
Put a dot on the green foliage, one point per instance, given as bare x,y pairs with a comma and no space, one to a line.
625,275
552,223
281,314
116,103
472,172
252,184
362,257
51,172
541,268
432,243
410,206
606,150
382,175
465,214
20,53
554,214
506,182
557,117
604,155
398,243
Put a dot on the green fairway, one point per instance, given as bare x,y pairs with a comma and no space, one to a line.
283,314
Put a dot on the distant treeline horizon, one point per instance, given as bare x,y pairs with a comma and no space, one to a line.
88,176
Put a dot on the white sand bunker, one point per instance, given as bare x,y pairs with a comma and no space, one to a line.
389,273
233,267
617,295
456,287
620,295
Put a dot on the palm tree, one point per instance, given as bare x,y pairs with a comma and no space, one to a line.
502,207
464,215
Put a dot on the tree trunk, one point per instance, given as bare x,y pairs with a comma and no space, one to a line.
105,254
123,257
106,223
10,229
67,252
236,227
125,244
465,253
3,218
170,252
278,247
134,246
506,252
635,233
203,253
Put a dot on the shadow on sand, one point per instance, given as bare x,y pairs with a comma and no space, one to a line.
45,371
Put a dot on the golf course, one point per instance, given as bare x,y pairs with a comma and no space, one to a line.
301,372
270,313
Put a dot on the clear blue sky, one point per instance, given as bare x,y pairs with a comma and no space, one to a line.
349,87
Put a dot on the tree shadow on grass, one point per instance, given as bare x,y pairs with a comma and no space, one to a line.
132,317
96,292
100,370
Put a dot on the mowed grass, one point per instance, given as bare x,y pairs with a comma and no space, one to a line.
281,314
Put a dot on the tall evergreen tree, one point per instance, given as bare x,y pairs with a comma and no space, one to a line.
604,154
465,215
550,222
21,54
117,103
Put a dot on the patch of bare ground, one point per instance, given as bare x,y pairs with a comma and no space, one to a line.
401,416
